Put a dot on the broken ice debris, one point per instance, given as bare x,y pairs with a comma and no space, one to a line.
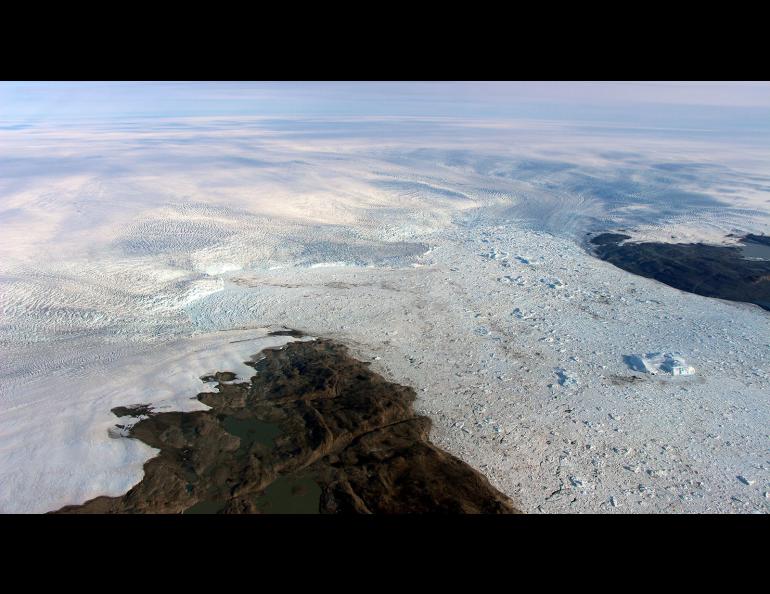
654,363
552,282
519,280
517,313
494,254
565,379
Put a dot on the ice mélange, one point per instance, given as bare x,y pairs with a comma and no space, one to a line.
140,254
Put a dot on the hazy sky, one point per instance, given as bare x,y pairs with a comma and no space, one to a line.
738,106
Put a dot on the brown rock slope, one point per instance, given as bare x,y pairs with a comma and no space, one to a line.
314,431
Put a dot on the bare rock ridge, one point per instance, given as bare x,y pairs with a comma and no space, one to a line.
314,431
709,270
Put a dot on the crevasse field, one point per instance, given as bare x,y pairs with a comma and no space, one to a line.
138,254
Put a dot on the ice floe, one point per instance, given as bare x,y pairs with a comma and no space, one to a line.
654,363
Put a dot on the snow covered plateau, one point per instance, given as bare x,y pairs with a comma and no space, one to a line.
136,258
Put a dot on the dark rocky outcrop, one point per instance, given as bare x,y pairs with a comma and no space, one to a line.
709,270
313,431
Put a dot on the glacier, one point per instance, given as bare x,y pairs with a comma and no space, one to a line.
136,259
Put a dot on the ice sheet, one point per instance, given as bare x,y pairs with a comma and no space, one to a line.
56,448
129,247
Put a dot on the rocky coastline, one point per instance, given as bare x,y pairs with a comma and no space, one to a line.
313,431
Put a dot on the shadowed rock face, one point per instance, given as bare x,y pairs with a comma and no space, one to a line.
709,270
313,431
